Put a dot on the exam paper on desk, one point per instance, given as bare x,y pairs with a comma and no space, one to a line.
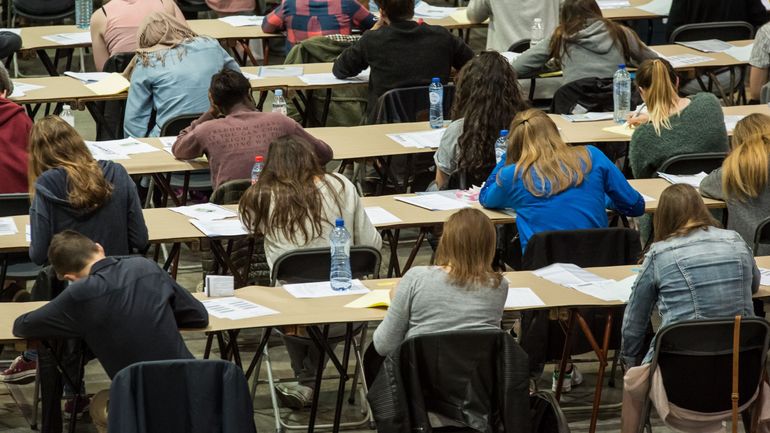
235,308
205,212
7,226
323,289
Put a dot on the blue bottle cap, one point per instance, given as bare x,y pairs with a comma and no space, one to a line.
278,92
339,223
622,66
436,80
503,132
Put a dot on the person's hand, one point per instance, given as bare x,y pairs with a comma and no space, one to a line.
381,22
635,120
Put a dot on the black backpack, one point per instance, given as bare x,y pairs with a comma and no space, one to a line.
546,415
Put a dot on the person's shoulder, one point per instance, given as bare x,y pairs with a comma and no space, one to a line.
420,274
763,34
706,100
140,264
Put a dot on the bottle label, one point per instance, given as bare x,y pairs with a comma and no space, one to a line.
435,98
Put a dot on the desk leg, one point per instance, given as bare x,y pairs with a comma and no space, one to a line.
172,261
416,248
393,264
258,355
165,185
232,347
74,385
3,272
327,103
209,342
565,353
343,378
601,354
223,258
262,99
320,341
47,63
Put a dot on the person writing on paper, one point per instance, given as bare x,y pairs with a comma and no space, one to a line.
553,186
510,21
15,125
294,205
584,45
232,132
171,74
692,270
487,96
672,125
114,25
461,292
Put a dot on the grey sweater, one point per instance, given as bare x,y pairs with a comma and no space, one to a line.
743,216
511,20
427,302
590,53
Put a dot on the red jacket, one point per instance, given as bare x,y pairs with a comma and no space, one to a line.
15,125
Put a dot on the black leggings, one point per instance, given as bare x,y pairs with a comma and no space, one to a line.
372,363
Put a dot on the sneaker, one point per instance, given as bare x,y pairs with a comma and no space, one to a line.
294,395
573,378
83,403
20,372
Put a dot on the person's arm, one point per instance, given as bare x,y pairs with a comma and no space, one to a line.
274,22
478,11
711,185
461,53
98,44
228,62
360,16
638,313
188,311
139,103
446,153
494,194
40,230
638,50
352,60
533,60
756,276
137,229
57,318
187,146
625,199
322,150
757,80
392,331
759,62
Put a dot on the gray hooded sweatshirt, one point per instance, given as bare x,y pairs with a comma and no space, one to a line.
589,53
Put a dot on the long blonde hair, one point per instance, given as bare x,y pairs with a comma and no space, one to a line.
53,143
658,80
540,154
159,32
745,171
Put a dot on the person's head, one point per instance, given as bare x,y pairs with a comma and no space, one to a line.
487,97
6,85
658,84
71,254
574,16
680,211
53,143
396,10
467,249
229,88
745,172
546,164
288,199
161,31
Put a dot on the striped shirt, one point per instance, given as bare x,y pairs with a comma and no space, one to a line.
304,19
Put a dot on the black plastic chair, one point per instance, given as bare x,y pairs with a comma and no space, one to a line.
409,104
43,10
15,266
191,8
693,163
695,359
109,115
520,47
199,180
762,235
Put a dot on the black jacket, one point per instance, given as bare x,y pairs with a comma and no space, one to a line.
477,378
709,11
127,310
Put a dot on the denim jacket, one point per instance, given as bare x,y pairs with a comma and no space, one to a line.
706,274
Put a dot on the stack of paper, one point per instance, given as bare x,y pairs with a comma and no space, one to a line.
732,120
522,297
104,153
373,299
434,202
220,228
741,54
326,79
657,7
693,179
588,117
424,10
7,226
707,46
577,278
20,89
684,60
765,276
123,146
250,76
113,84
613,4
379,216
323,289
168,143
243,20
235,308
623,129
281,71
421,140
79,38
88,77
205,212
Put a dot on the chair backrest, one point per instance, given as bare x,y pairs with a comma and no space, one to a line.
724,30
313,264
611,246
49,10
230,192
174,396
110,124
14,204
409,104
695,359
693,163
519,46
762,234
176,124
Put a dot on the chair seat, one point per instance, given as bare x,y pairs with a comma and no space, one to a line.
199,180
23,271
44,8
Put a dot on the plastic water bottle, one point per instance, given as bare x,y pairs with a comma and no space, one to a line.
621,94
83,11
340,274
436,96
501,145
279,104
537,33
256,170
67,116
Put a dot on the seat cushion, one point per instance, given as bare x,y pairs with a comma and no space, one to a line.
44,7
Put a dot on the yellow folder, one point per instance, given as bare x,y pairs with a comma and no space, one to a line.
620,129
373,299
114,84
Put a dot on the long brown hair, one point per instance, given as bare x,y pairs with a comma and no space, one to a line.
487,98
745,170
575,15
290,193
467,248
53,143
540,154
681,211
656,77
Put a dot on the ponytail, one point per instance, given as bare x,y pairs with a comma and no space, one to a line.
658,79
745,171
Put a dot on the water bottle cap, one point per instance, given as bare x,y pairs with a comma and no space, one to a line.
436,80
622,66
503,132
339,223
278,92
66,107
259,158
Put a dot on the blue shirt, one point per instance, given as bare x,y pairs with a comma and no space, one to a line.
578,207
173,86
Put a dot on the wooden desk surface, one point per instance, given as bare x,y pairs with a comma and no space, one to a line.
59,89
719,59
631,13
32,37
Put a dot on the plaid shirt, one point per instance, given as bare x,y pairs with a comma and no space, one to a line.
304,19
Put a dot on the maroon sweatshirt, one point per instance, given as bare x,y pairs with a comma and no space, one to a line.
232,142
14,133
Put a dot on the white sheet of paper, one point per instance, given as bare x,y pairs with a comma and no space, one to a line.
124,146
707,45
16,32
434,202
204,212
732,120
657,7
77,38
510,56
326,79
683,60
567,274
613,4
20,89
243,20
693,179
218,286
323,289
741,54
235,308
250,76
104,153
608,290
281,71
7,226
220,228
588,117
647,198
765,273
424,10
88,77
520,297
421,140
378,215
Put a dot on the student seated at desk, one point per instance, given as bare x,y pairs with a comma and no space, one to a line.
759,91
402,52
672,125
510,21
15,125
126,310
294,205
171,74
487,97
693,270
232,132
114,25
553,186
585,45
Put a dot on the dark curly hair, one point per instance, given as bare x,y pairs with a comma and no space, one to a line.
487,97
